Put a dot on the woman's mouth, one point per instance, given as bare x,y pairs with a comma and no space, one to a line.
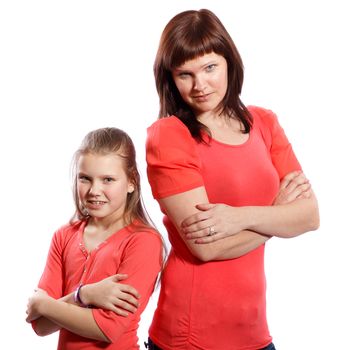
201,98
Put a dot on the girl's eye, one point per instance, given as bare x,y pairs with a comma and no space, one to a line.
83,178
108,179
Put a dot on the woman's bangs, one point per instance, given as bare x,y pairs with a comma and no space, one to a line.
189,49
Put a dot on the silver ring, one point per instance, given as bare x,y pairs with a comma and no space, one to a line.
211,231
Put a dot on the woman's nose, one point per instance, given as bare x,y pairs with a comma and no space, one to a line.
199,83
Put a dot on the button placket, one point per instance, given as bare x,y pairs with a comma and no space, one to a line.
87,257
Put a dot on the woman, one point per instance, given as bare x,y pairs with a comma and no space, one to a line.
226,179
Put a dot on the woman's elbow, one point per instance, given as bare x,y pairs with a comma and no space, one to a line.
314,223
203,253
311,221
314,217
42,332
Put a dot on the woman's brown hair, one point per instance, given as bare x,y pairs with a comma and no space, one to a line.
188,35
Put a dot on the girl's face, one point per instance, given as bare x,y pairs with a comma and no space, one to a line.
103,185
202,82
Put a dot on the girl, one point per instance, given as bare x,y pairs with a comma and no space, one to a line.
109,239
226,179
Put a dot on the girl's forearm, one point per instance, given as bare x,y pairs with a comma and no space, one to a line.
44,326
76,319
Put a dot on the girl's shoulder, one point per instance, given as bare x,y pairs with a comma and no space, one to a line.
138,231
144,238
69,230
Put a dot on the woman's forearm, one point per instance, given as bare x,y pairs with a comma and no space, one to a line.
285,221
179,207
233,246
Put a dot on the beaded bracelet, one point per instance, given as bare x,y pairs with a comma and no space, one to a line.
77,298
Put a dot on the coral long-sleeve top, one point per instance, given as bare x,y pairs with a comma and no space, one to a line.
135,252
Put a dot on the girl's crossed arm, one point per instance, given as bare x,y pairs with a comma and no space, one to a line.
107,294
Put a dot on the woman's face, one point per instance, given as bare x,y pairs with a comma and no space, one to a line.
202,82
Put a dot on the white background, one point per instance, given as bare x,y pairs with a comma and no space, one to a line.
68,67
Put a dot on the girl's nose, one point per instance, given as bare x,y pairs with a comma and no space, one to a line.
94,189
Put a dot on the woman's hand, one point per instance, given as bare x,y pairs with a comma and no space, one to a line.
217,221
34,301
108,294
214,222
293,186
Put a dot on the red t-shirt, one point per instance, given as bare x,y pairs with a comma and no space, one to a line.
137,253
217,305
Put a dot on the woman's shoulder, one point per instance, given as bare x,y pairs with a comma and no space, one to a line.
264,114
167,126
171,121
263,118
169,131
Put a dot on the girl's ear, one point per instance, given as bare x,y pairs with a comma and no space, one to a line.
131,188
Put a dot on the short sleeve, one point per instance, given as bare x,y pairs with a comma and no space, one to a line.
281,151
173,164
141,261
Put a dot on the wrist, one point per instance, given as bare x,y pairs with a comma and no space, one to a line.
250,216
43,306
79,298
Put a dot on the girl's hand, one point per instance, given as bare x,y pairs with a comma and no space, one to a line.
293,186
108,294
34,301
214,222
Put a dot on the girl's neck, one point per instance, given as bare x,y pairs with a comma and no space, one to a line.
106,224
99,230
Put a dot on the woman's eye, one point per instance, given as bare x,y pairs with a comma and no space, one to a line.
210,68
183,75
109,179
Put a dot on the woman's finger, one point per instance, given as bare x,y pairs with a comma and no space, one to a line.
288,178
195,218
210,239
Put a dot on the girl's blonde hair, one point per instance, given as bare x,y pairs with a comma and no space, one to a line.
106,141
